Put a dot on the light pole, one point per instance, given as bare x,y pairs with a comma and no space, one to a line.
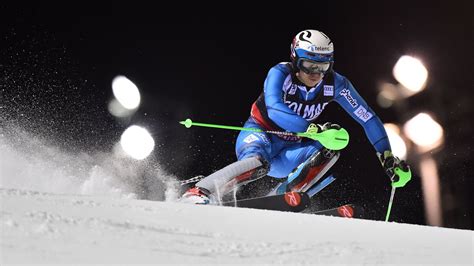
427,135
424,133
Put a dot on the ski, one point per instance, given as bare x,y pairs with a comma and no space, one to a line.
347,210
191,180
289,201
318,187
294,202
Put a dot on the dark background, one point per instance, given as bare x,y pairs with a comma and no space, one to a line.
208,63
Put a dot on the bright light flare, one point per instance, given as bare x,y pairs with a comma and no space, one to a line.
117,109
137,142
126,92
399,148
388,94
411,73
424,131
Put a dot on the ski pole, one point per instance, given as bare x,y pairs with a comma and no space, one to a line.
392,195
404,175
333,139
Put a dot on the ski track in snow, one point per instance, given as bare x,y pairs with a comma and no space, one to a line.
39,227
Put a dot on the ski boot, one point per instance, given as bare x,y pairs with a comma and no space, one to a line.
197,195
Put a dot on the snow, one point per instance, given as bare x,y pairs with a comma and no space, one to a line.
58,208
66,228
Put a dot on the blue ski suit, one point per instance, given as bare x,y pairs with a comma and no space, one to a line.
288,105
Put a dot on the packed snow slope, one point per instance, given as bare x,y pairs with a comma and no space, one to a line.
38,227
60,206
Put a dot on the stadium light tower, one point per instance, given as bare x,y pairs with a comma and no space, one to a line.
427,135
137,142
126,97
423,134
411,73
412,76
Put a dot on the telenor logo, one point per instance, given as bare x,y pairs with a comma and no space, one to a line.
292,198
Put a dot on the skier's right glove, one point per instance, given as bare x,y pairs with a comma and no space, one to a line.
318,128
398,170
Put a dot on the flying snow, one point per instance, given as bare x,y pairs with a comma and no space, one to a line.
31,162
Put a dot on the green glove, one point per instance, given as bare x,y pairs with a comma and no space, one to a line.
318,128
398,170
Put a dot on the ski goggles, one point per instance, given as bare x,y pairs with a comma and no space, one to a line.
313,67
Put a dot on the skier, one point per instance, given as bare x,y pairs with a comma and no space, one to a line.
294,95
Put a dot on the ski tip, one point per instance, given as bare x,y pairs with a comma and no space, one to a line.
187,123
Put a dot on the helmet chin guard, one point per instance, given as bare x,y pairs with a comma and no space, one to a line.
312,46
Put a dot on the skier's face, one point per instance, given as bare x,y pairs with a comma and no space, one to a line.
310,80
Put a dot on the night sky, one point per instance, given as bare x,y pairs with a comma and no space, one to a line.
57,64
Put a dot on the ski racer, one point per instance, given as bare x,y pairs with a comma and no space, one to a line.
294,95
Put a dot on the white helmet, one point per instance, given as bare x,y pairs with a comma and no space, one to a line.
312,52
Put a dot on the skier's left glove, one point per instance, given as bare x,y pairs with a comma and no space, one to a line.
398,170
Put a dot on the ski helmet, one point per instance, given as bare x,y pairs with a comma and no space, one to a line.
312,52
